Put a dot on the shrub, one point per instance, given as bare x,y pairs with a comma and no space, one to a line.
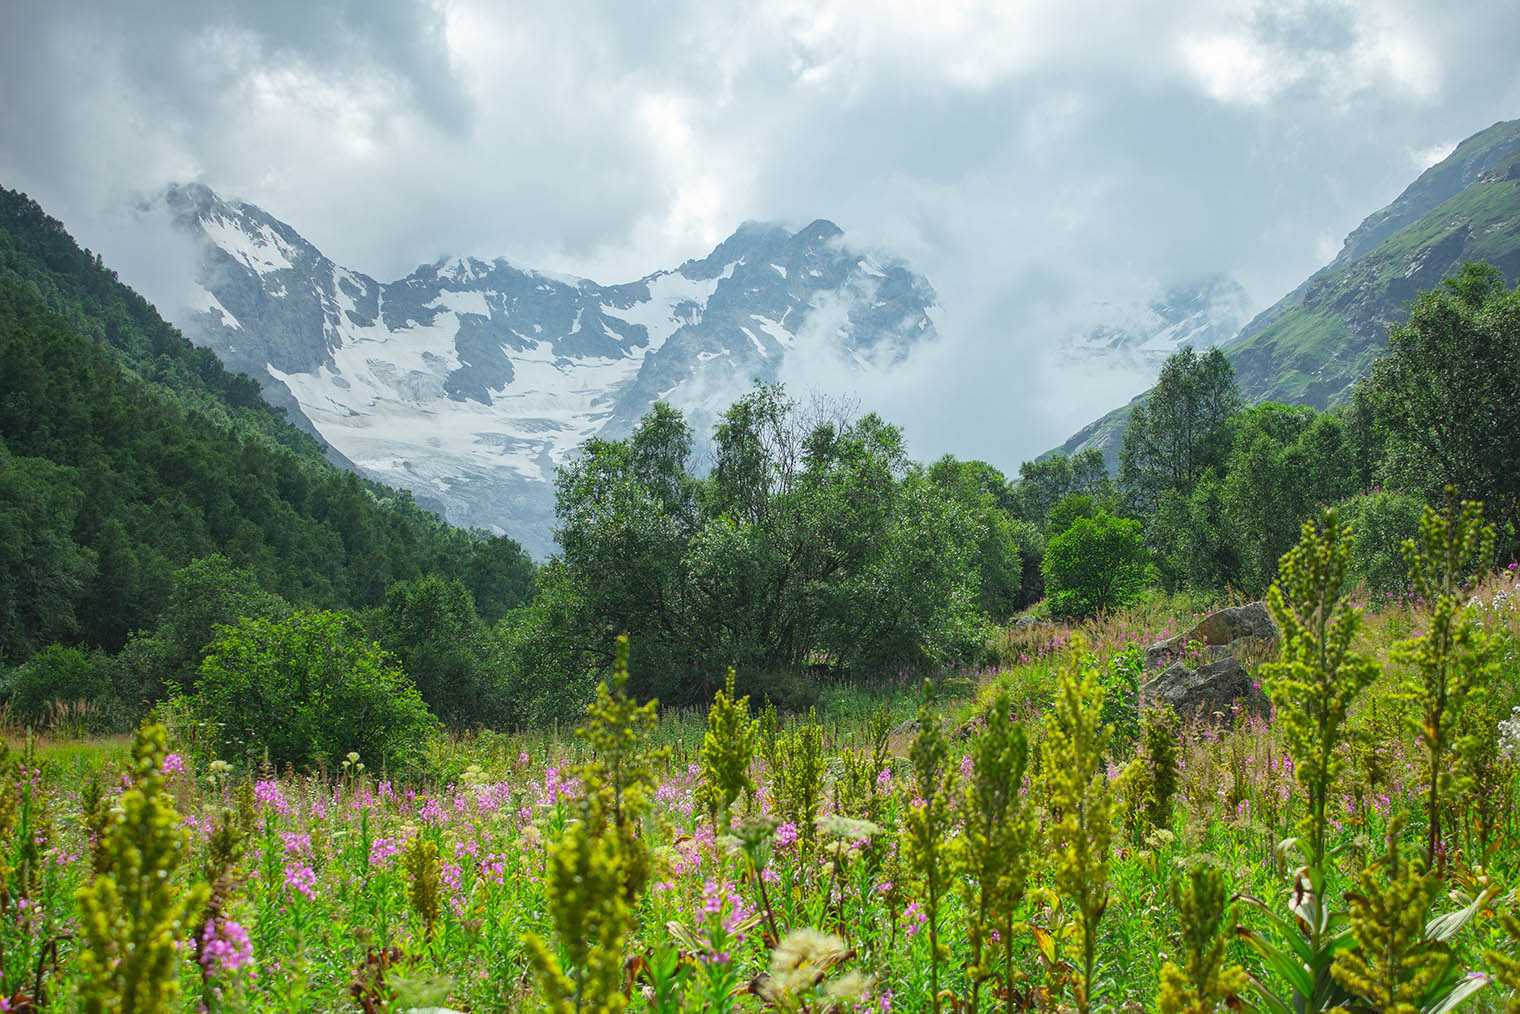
1121,693
310,689
1095,565
134,912
65,675
430,624
1382,523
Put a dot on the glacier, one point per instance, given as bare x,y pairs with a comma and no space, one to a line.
469,381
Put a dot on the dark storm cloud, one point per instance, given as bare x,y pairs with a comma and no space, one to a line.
1038,160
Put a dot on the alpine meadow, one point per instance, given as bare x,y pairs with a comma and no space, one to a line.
498,640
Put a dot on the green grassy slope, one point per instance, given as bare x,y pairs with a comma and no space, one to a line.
1314,352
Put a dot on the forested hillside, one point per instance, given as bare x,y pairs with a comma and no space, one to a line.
126,454
1212,490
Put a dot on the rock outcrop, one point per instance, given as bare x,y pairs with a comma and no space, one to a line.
1240,631
1215,691
1216,685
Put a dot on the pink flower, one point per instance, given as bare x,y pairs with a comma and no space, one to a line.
302,879
786,835
382,851
225,948
296,845
174,764
267,793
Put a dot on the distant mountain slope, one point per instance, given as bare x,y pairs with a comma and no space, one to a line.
36,250
126,453
1315,343
468,381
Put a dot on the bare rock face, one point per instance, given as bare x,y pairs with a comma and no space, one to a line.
1242,631
1217,687
1214,692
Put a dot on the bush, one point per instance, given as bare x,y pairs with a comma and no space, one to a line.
309,689
1380,523
1121,697
69,676
430,624
1097,564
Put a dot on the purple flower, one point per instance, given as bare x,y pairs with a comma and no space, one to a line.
267,793
382,851
302,879
225,948
786,835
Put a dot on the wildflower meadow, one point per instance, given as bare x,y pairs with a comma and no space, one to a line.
1027,838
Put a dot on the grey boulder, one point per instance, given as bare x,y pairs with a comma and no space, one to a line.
1210,693
1240,631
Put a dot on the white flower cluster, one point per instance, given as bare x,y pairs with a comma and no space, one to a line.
1501,609
1509,736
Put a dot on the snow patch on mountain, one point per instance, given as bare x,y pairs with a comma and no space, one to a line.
1142,335
469,381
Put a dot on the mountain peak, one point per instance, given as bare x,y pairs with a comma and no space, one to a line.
469,381
818,231
1465,165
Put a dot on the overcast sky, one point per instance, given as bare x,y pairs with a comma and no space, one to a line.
1034,159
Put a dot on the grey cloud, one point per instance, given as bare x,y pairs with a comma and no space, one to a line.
1071,159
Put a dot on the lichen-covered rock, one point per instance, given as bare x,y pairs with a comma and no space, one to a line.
1215,691
1239,632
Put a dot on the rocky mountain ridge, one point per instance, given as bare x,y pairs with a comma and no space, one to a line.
1203,314
470,380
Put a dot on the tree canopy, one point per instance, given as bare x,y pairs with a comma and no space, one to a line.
1447,394
1180,431
811,542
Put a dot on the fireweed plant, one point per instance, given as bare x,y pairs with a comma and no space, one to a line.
926,825
1081,803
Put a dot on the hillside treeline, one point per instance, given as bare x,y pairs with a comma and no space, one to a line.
132,464
1210,492
159,523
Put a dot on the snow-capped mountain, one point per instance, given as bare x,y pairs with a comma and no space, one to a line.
469,380
1202,314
